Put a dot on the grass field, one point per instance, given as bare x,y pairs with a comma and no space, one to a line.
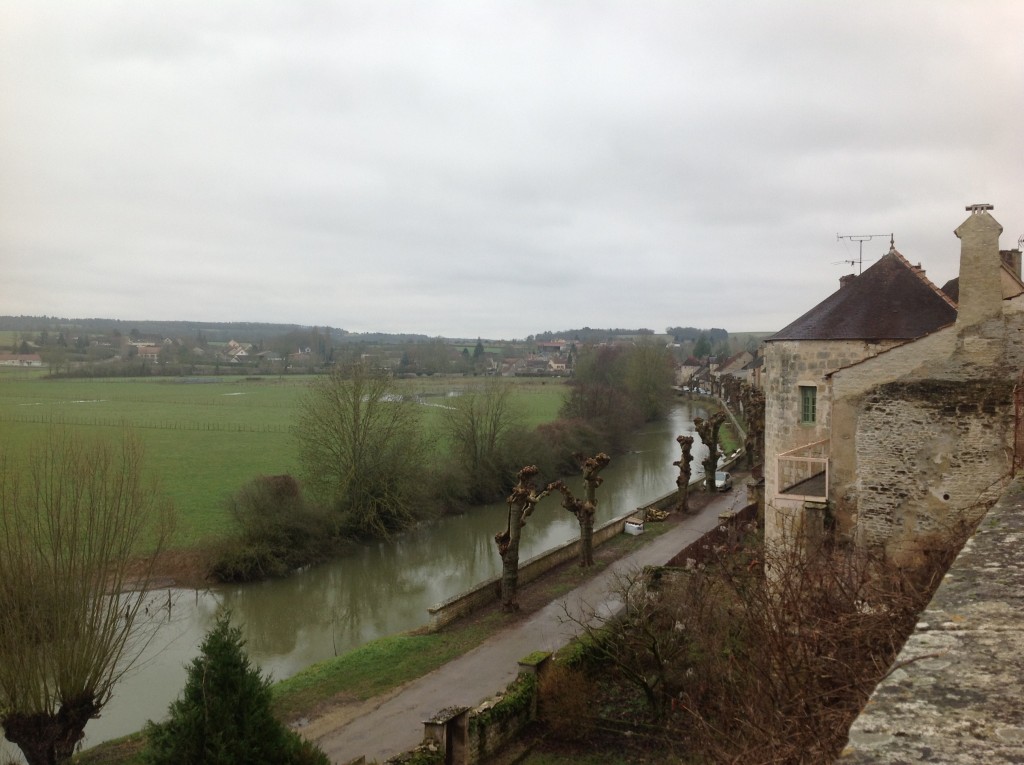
205,438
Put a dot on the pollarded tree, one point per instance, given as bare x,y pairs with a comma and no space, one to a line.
75,515
521,504
683,479
584,509
224,715
753,413
708,432
362,450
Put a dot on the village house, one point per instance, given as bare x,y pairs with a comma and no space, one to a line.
149,352
21,360
552,346
890,406
734,365
558,364
686,371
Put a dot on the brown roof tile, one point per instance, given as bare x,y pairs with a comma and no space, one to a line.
892,300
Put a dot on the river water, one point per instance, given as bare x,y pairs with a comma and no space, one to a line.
378,590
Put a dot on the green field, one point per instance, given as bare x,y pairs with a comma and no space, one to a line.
205,437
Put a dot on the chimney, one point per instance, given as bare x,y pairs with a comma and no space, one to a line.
981,295
846,281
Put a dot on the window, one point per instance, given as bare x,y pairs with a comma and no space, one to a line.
808,404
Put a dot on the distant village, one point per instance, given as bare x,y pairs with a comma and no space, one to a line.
701,355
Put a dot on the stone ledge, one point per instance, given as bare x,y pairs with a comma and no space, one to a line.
956,695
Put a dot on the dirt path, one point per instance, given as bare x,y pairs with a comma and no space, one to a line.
391,724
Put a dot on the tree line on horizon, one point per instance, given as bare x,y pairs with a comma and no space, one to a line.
249,331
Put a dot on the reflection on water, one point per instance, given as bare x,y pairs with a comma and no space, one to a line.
379,589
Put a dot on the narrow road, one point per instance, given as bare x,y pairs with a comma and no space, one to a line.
396,724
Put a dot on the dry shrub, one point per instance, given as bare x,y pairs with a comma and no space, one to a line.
276,531
565,702
788,659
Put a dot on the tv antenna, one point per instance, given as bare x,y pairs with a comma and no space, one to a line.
860,239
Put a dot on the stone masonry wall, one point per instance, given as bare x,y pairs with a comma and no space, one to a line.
927,453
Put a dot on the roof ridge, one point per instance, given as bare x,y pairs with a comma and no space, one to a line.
920,274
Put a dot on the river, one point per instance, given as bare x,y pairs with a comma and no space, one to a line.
380,589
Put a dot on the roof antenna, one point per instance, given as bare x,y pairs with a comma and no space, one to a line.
860,239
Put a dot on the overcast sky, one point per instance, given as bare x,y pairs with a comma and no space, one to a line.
487,168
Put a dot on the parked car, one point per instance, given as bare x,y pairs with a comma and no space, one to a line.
723,481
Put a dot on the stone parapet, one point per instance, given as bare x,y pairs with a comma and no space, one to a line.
955,695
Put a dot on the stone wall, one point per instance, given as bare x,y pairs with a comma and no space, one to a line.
954,693
490,591
912,455
927,452
849,389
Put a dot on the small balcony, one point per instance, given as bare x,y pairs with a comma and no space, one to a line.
803,472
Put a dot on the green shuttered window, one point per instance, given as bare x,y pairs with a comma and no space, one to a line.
808,404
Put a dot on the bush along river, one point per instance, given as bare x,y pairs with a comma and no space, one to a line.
380,589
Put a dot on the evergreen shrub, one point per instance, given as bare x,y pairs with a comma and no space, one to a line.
223,716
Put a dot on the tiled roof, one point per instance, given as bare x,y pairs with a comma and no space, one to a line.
892,300
1009,281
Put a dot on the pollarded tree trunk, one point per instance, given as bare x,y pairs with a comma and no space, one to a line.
685,472
708,432
755,422
753,413
49,739
585,509
521,504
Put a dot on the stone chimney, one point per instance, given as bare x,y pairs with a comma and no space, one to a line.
981,295
846,281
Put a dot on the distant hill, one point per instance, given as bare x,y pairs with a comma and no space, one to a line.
215,331
588,335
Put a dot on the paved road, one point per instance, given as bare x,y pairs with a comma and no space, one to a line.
396,724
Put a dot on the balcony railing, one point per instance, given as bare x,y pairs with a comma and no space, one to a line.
804,472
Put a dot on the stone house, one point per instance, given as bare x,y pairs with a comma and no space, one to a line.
687,370
735,366
890,406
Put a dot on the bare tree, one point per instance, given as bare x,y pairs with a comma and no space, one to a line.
649,375
685,472
648,641
708,432
74,516
478,425
362,450
521,504
585,508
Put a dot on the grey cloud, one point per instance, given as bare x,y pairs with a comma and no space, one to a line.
493,168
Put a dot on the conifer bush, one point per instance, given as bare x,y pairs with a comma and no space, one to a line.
223,716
